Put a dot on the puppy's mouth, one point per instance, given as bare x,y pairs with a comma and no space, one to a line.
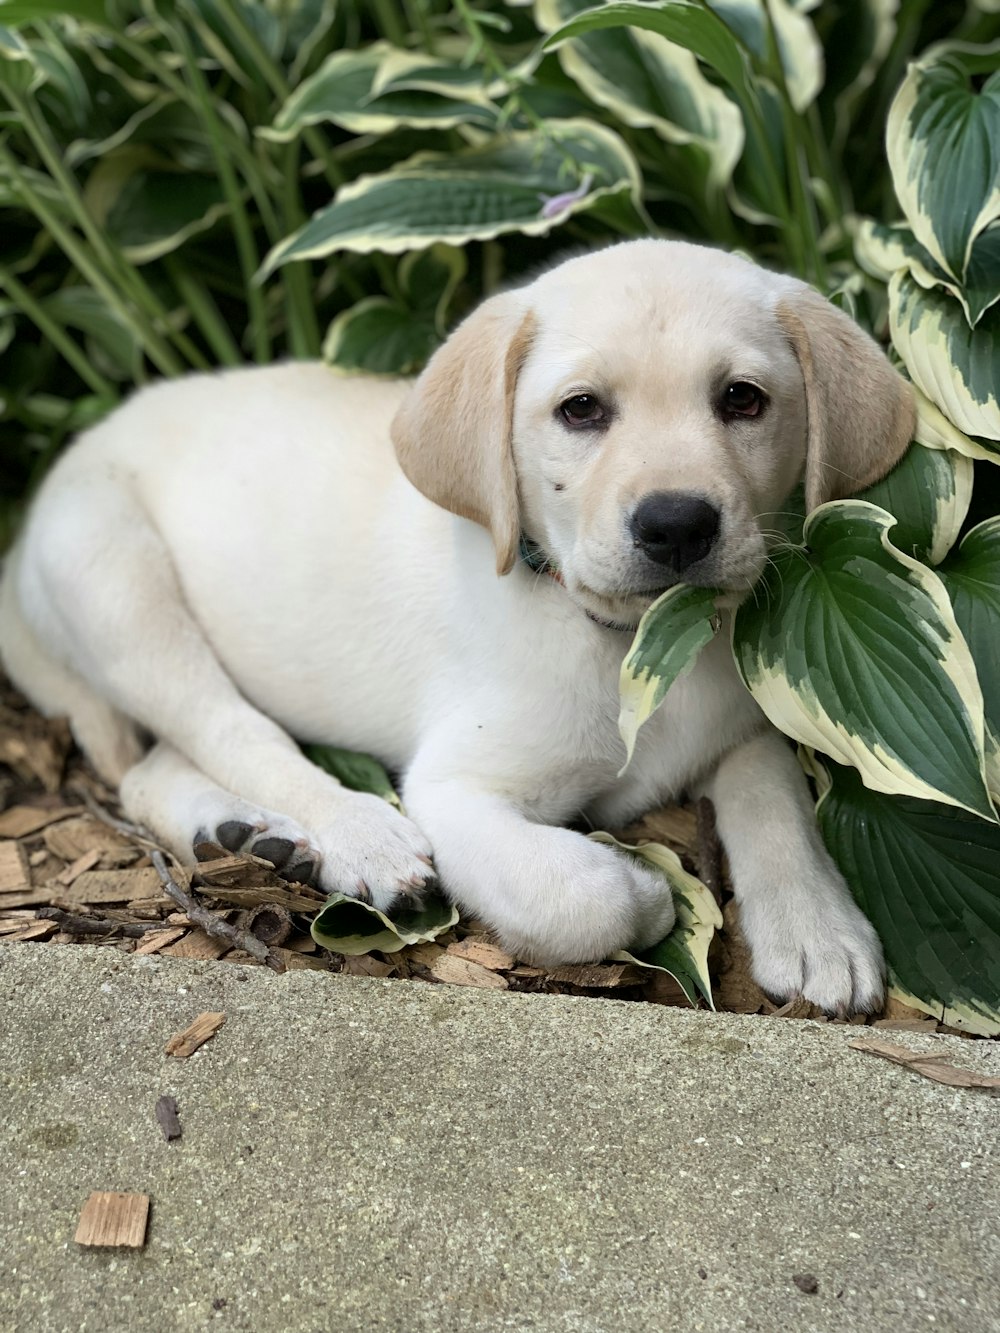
623,611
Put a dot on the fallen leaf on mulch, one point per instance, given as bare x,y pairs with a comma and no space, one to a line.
114,1219
204,1027
481,951
936,1066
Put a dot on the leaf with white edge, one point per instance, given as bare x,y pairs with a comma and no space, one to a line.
379,336
667,641
650,83
346,925
693,26
116,345
936,432
351,768
684,952
507,184
852,647
856,40
799,47
958,368
972,576
344,91
881,250
943,144
926,877
928,493
429,279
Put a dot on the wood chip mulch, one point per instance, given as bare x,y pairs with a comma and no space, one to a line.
73,871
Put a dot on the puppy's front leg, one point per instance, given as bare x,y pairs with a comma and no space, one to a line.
806,934
551,895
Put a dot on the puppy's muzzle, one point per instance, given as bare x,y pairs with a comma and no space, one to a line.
674,528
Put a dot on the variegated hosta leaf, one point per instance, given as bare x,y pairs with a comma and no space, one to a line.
972,576
526,182
856,42
670,636
882,249
381,335
798,45
958,368
149,212
936,432
928,494
649,82
345,91
349,926
926,876
112,344
852,647
684,952
943,143
693,26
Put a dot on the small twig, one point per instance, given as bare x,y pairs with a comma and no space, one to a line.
210,923
94,925
122,826
709,849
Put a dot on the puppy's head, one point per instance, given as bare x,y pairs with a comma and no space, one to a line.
639,411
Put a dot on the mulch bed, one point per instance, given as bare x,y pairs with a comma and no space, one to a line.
72,871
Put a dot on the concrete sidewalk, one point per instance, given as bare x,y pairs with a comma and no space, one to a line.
369,1155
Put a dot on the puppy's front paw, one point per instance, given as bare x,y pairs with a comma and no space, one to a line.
372,852
583,901
822,948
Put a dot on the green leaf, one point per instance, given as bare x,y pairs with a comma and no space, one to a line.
684,952
526,182
690,25
881,250
928,494
936,432
943,143
972,576
649,82
958,368
926,877
349,926
359,772
429,278
16,12
852,647
379,336
668,640
798,45
348,91
84,309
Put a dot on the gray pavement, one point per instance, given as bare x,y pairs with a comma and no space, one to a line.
383,1155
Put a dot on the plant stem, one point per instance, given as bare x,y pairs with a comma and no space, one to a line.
246,248
389,21
205,313
159,352
132,282
56,335
303,327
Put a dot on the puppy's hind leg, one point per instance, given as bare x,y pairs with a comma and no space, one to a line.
104,596
184,808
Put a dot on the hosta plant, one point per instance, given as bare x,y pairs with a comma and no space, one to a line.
186,183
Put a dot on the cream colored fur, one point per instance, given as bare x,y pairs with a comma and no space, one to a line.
232,560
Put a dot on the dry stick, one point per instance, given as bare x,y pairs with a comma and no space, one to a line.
709,849
210,923
94,925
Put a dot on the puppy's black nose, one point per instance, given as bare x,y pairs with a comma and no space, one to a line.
674,528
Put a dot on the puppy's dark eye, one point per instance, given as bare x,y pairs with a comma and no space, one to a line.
743,399
583,409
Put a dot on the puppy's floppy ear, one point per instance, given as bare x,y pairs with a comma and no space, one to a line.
453,433
860,410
